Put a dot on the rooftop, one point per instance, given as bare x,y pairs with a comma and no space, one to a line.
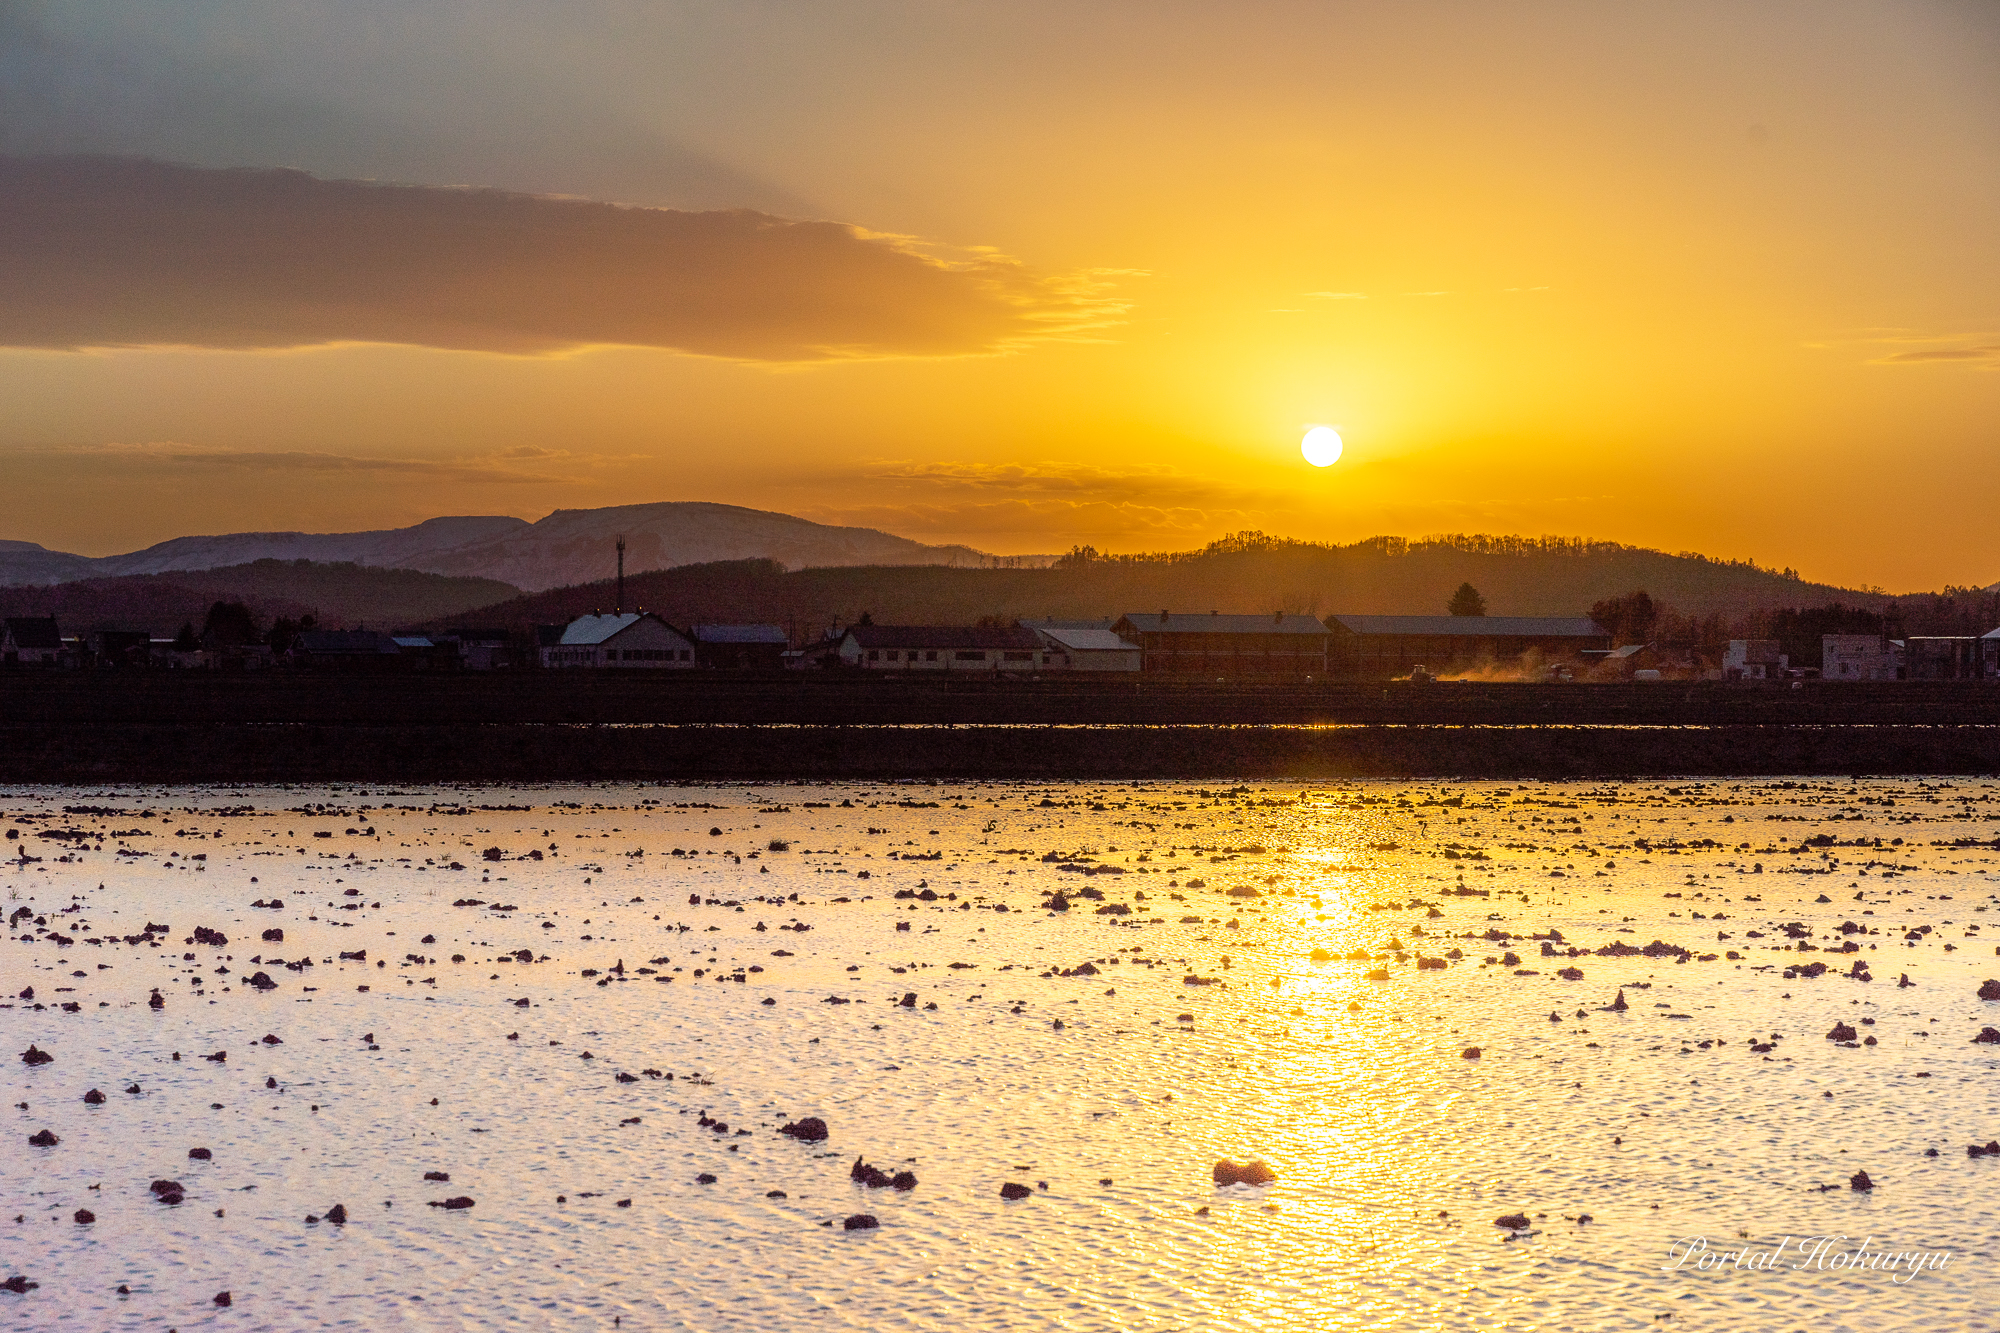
954,637
1213,622
1496,627
586,631
1085,640
740,634
38,632
345,641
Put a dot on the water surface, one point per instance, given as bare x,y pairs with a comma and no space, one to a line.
1203,1028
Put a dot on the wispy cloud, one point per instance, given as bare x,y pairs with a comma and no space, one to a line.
166,456
1048,476
1986,353
1049,505
111,252
1046,524
1915,349
1130,484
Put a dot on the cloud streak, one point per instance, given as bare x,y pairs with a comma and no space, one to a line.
1054,477
1986,354
1057,485
176,456
1918,348
1046,523
1049,504
117,252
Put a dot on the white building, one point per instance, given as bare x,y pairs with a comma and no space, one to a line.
1089,645
1753,659
633,639
1859,657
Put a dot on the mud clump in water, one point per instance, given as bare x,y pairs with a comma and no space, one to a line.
812,1129
1253,1172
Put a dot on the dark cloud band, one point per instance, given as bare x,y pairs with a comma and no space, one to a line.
116,252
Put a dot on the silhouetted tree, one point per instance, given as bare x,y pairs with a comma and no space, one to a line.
186,641
866,619
229,623
285,631
1630,619
1798,631
1466,602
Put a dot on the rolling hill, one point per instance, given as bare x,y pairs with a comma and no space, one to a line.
1245,574
337,595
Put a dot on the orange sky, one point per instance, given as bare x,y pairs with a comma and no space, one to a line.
1701,277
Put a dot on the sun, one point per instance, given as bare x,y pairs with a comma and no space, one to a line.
1321,446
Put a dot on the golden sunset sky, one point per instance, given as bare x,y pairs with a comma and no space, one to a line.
1717,277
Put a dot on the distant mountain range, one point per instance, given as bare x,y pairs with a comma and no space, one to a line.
340,596
570,546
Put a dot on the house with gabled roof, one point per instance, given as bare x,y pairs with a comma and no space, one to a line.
31,641
637,640
1087,645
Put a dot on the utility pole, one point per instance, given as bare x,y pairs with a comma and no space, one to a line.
619,607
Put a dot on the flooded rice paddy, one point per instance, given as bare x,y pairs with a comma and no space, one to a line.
589,1012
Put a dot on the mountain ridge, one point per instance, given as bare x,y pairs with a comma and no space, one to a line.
564,547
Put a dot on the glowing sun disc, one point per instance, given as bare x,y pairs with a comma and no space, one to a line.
1321,446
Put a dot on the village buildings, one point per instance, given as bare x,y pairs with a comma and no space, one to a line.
1209,645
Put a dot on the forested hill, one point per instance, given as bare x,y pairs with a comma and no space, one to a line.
1247,573
335,595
